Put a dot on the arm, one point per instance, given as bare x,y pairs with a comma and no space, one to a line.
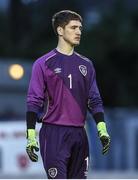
35,98
95,106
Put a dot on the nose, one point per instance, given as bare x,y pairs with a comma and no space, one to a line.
78,31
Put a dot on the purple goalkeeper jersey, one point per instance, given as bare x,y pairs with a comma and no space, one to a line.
66,85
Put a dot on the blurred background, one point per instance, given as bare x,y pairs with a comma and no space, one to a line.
110,39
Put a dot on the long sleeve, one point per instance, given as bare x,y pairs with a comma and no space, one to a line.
37,85
95,104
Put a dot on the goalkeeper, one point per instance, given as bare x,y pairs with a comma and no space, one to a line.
66,82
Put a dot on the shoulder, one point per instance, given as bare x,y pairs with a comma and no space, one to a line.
43,59
84,59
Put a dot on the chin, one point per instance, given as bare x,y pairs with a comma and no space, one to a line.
76,43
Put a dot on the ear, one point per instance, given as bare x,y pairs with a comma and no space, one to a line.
60,30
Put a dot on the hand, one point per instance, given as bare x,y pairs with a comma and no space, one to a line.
104,137
32,145
105,140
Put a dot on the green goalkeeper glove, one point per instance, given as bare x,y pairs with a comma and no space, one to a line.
32,145
104,136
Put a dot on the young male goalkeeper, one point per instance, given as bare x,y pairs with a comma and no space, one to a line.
66,82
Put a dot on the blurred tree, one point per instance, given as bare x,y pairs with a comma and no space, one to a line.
20,27
112,43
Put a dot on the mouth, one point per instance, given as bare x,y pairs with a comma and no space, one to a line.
77,38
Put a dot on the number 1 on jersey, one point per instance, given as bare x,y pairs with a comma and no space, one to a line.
70,81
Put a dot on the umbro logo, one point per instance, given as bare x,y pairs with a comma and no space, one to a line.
57,70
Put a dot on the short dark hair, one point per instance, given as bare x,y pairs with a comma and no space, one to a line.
63,17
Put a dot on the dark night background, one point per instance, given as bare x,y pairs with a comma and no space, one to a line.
110,38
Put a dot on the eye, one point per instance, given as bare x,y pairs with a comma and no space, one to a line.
73,27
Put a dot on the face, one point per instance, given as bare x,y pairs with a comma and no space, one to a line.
71,33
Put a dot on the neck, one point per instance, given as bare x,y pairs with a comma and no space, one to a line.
65,48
